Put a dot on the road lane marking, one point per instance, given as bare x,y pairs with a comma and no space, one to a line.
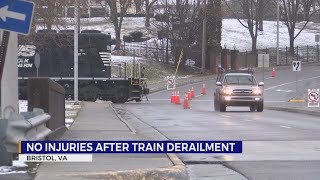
248,120
275,101
270,78
198,96
287,127
182,99
226,116
273,87
286,91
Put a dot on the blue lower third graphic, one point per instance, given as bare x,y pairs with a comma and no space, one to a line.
89,147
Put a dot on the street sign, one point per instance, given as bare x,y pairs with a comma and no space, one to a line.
16,15
313,98
171,83
296,65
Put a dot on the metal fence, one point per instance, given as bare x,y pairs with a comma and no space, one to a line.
305,54
152,49
50,96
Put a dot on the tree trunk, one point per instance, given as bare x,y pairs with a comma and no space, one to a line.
260,25
291,50
118,39
254,44
147,23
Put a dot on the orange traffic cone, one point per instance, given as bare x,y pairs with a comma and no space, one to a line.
273,74
172,97
189,95
178,99
186,102
203,92
192,92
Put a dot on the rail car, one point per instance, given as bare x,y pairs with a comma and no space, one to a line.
99,77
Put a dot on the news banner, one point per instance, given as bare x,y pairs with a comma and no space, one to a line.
82,151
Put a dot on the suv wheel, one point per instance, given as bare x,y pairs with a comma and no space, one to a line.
260,107
223,107
253,108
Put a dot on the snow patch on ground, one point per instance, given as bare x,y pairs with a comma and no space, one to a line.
122,59
235,35
19,164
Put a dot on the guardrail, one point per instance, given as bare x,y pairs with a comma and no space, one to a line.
48,95
27,126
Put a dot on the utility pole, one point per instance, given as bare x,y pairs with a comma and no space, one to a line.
204,38
76,44
167,33
278,19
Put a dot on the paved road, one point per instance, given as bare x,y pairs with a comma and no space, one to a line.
277,145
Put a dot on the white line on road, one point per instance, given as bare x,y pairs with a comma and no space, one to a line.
182,99
248,120
269,77
226,116
198,96
273,87
275,101
287,127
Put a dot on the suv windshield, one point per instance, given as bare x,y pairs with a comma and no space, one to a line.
239,80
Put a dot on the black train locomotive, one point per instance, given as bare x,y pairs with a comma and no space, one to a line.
96,71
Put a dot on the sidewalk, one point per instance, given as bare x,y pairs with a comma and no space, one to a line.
98,121
301,108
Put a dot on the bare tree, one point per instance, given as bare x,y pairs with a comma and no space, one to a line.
148,4
290,10
138,4
123,6
250,10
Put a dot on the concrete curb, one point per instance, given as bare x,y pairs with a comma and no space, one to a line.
177,171
120,117
293,110
159,173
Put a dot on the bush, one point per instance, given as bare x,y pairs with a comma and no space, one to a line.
127,38
161,17
136,35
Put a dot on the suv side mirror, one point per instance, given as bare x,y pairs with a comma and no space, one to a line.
261,84
218,83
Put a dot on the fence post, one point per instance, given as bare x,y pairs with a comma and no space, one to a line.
297,53
307,53
147,48
247,58
124,48
318,52
286,55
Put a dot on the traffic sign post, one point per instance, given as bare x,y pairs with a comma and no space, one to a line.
296,67
16,15
263,61
171,83
313,98
37,62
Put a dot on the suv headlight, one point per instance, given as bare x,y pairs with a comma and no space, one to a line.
227,91
257,91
